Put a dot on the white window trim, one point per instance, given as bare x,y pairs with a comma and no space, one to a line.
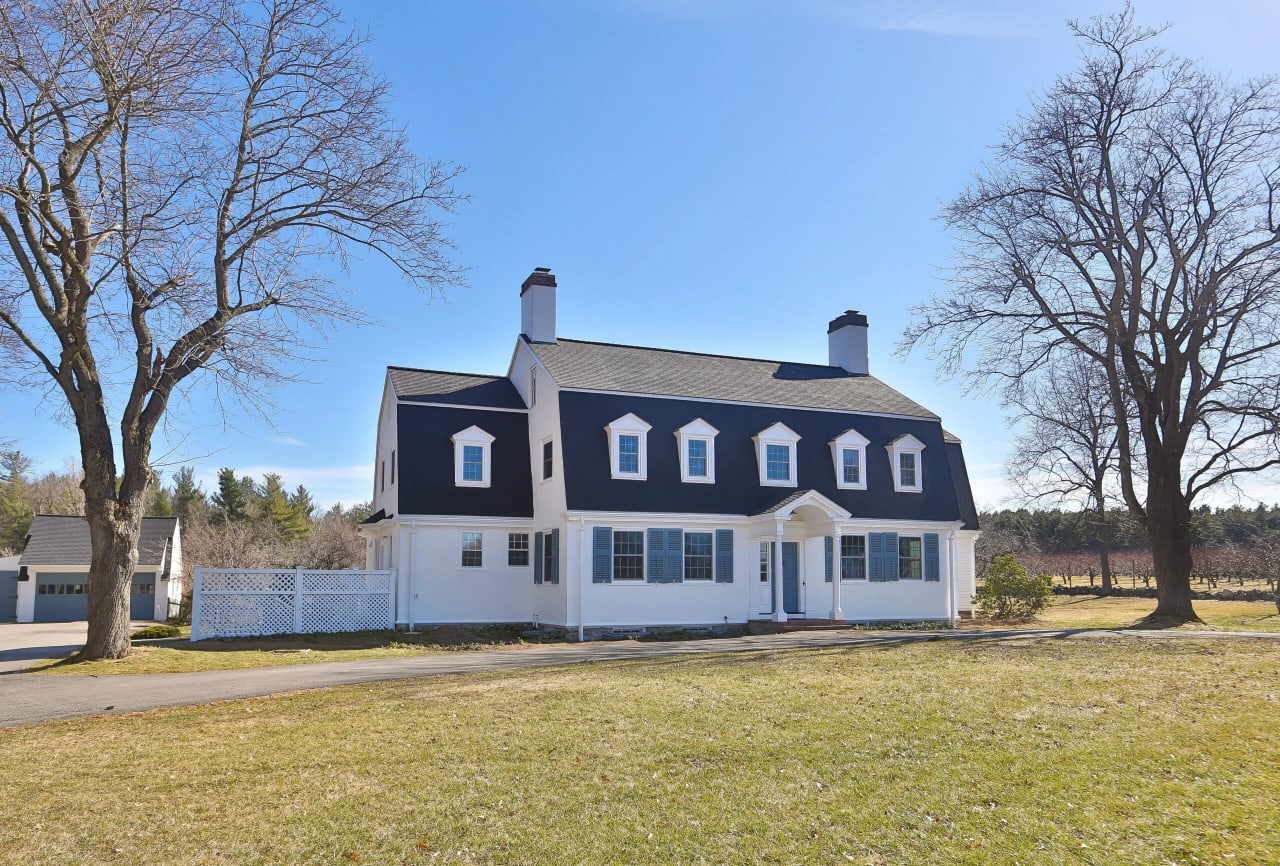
777,434
850,440
839,557
906,444
684,557
543,477
473,435
702,431
630,425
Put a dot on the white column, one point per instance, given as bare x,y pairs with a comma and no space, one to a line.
837,613
779,609
952,595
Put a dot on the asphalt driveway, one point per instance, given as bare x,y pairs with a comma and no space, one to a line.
22,644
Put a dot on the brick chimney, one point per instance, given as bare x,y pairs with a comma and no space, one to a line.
847,342
538,306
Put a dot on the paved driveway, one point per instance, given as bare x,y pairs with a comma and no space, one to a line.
22,644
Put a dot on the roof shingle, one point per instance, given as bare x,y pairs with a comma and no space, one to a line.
667,372
58,539
457,389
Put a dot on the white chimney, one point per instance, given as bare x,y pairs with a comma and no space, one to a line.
847,342
538,306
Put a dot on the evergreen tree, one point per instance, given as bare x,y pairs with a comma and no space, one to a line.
277,509
188,496
158,504
231,500
15,509
303,503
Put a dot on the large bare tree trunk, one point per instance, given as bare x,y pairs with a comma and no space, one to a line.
1169,530
1104,556
115,557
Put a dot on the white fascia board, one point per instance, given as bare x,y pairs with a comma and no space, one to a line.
141,566
932,418
515,353
658,518
423,520
864,524
400,402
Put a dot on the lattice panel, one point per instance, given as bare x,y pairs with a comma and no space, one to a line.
345,581
346,612
224,615
248,581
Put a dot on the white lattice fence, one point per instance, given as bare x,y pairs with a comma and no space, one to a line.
229,602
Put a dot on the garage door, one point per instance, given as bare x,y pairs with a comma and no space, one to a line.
62,597
142,601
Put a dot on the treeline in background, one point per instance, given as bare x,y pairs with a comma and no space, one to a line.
242,523
1233,547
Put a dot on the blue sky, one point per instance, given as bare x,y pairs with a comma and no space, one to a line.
717,175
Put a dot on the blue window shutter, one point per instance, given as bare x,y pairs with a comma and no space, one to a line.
875,557
931,570
673,571
537,557
657,556
724,556
829,544
553,574
602,555
890,556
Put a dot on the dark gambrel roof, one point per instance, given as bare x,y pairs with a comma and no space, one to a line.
57,539
458,389
666,372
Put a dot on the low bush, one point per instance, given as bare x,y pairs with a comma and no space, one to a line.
156,631
1009,593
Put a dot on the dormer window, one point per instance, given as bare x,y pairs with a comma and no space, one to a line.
697,441
905,456
471,458
628,448
849,452
776,455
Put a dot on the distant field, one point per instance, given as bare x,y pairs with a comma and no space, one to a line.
1081,751
1090,611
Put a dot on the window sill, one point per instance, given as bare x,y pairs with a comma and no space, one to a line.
697,480
628,476
846,486
767,483
471,484
908,490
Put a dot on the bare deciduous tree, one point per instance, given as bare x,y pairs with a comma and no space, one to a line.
170,173
1131,216
1067,452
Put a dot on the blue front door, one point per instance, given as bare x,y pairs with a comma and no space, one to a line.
791,577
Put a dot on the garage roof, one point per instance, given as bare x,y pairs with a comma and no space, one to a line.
59,539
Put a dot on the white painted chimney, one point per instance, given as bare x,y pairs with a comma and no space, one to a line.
538,306
847,342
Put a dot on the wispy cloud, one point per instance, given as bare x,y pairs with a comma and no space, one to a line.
288,440
999,20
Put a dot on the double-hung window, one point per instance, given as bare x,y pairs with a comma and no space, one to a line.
472,452
697,441
472,549
776,455
910,559
853,557
849,451
905,455
764,562
697,556
628,448
628,554
629,454
517,548
548,459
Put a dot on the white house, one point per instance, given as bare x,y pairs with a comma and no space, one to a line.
53,570
600,486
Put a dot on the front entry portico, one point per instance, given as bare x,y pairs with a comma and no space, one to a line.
797,519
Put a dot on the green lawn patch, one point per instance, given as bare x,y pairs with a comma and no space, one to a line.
1086,751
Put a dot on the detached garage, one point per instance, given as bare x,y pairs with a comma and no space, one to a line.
53,571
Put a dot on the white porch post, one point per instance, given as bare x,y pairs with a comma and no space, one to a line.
837,614
952,595
409,592
779,609
582,574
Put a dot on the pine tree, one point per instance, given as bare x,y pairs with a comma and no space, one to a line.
231,501
188,496
285,518
15,511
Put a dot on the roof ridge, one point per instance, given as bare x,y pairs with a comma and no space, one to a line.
709,355
447,372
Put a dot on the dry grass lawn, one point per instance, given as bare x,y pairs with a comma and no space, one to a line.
1091,611
1084,751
